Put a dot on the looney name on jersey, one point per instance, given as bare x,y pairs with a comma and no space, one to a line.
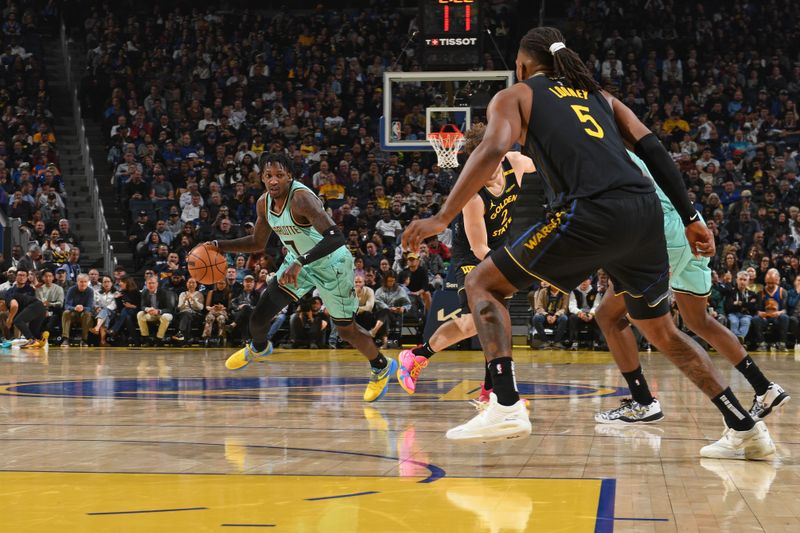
286,231
563,92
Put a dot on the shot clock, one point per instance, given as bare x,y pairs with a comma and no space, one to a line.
452,33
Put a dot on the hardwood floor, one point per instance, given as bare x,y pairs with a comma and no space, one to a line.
168,440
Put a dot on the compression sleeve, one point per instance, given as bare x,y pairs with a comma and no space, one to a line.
666,174
332,239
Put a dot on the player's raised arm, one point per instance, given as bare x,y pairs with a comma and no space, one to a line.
647,146
503,129
251,243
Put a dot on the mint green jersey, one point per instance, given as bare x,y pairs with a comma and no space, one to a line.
298,238
688,274
666,205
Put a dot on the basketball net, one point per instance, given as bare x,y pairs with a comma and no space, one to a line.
447,144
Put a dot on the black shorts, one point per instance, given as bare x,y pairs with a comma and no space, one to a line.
463,267
623,235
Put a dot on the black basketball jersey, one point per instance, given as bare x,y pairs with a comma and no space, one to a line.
574,141
497,215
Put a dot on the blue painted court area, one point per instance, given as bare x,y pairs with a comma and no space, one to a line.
256,388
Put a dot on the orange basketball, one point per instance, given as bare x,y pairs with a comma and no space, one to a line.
206,265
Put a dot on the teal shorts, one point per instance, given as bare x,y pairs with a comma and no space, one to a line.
688,274
333,277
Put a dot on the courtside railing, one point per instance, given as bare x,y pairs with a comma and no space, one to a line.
106,248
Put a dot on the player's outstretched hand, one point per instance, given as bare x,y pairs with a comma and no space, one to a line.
290,275
700,239
421,229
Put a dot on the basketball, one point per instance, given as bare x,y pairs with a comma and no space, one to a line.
206,265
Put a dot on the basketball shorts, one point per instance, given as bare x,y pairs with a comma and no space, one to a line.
464,267
333,276
624,235
688,274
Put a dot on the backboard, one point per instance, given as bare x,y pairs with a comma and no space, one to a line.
417,103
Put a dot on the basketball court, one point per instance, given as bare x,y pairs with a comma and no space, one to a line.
142,440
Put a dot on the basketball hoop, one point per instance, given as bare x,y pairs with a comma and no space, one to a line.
447,144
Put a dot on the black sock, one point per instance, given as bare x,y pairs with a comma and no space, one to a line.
638,386
379,362
487,379
753,375
259,346
736,416
425,351
505,384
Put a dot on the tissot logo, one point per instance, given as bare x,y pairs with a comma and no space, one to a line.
460,41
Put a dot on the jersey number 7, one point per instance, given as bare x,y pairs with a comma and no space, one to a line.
583,115
293,247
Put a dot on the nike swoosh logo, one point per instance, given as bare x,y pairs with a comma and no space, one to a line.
510,188
694,217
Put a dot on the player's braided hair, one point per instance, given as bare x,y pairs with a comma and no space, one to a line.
564,62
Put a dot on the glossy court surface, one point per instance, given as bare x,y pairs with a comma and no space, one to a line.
143,440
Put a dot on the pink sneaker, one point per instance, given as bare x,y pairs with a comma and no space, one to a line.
408,371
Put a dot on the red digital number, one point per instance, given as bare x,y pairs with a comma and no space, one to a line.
446,14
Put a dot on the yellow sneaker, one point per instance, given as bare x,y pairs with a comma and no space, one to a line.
379,381
245,356
45,338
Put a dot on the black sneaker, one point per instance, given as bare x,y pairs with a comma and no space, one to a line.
772,399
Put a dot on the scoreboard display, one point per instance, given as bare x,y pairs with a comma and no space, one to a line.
452,33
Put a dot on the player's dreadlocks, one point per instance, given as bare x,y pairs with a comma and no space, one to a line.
546,45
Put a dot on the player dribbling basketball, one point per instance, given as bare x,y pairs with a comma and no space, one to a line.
316,257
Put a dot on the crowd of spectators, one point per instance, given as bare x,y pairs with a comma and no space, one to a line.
31,188
190,100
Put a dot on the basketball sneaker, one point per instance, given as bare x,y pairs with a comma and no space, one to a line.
19,341
482,401
754,443
631,412
379,381
772,399
495,422
408,369
245,356
5,344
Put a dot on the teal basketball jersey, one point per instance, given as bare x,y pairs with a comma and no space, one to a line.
666,205
298,238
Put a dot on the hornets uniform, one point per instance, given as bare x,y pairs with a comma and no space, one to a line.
688,274
331,275
498,214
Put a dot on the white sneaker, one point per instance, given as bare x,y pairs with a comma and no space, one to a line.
772,399
496,422
754,443
631,412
